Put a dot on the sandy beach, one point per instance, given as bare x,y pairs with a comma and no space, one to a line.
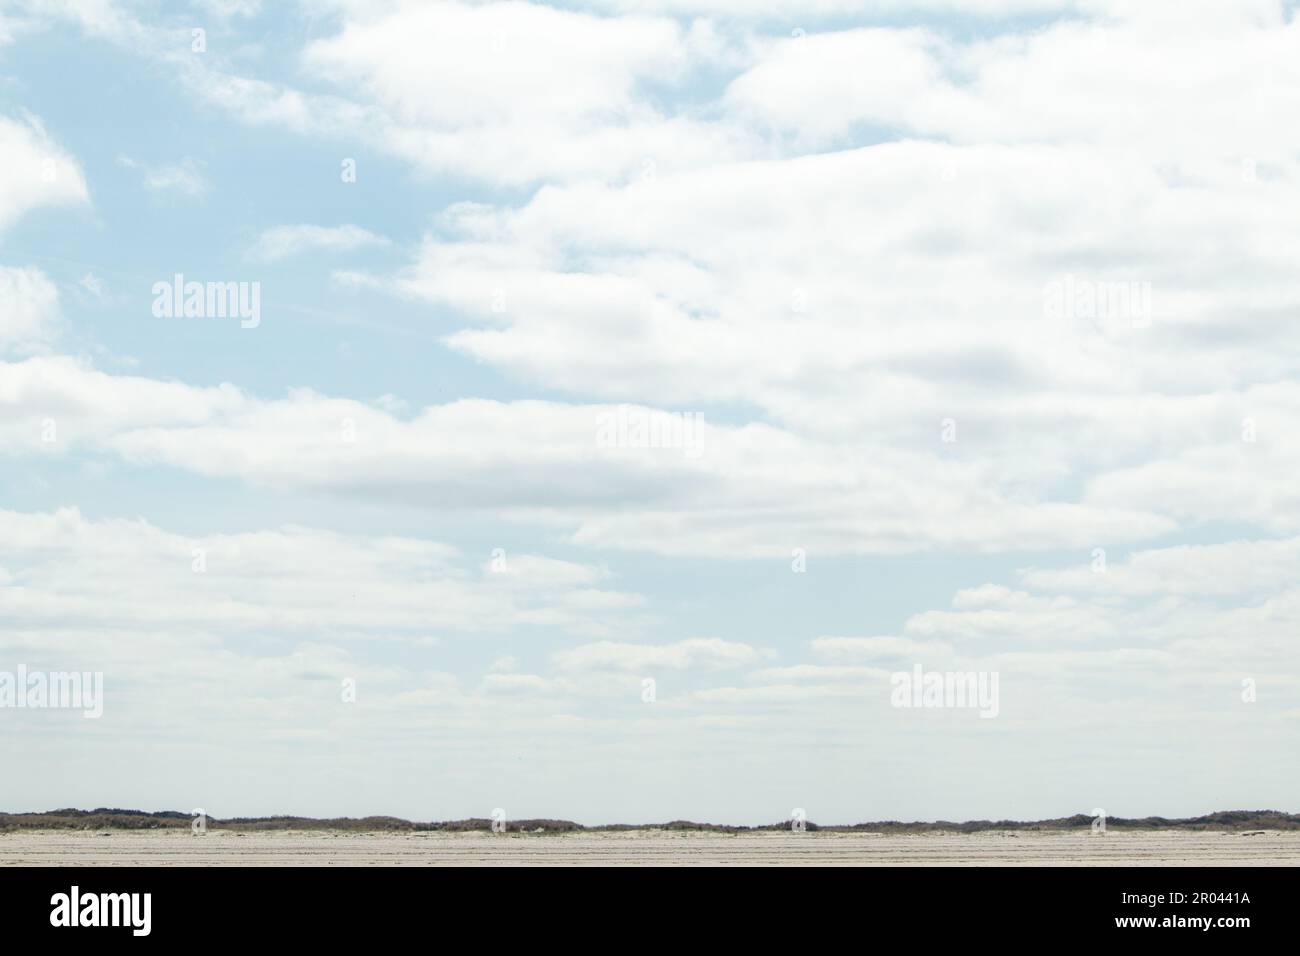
645,847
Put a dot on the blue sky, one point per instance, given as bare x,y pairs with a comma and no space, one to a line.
830,232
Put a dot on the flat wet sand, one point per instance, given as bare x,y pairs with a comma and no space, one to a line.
646,847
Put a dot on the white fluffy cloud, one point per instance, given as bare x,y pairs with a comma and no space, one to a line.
38,171
1172,86
730,492
505,93
1232,569
63,569
28,308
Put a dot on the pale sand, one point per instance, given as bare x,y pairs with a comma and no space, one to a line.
654,847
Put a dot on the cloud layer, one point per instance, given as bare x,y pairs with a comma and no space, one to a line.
960,335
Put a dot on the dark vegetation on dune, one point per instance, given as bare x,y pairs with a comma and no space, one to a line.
115,819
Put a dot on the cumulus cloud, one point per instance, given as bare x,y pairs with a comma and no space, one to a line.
732,495
38,171
1231,569
67,570
28,309
456,87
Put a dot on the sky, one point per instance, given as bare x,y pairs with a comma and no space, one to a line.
617,403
